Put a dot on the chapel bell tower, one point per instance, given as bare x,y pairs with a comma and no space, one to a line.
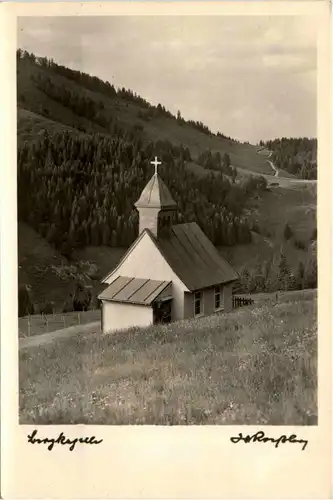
156,206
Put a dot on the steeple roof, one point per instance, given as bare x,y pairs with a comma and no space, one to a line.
156,195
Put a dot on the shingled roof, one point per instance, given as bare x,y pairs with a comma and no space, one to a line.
194,258
155,195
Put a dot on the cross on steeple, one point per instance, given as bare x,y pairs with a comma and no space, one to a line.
156,206
156,163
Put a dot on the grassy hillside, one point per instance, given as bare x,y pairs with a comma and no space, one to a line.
37,259
48,273
31,125
48,112
253,366
296,205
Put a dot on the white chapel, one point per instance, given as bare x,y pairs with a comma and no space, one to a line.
170,272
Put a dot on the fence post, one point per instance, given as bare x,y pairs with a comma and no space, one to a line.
63,318
78,317
29,326
47,324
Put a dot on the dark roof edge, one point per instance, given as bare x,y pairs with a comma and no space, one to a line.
158,206
214,284
122,301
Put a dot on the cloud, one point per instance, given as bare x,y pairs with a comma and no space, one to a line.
252,77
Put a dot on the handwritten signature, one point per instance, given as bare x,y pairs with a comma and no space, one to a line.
261,438
61,439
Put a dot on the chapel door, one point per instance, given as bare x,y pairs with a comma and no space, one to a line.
162,312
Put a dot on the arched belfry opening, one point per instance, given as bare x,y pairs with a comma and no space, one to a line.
156,207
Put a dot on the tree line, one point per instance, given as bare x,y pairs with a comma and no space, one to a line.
84,107
215,161
276,274
80,104
79,299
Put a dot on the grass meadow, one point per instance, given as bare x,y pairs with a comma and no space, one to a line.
256,365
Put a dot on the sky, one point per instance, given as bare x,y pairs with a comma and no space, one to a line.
251,77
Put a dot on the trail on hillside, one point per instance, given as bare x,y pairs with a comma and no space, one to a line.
284,182
265,151
276,170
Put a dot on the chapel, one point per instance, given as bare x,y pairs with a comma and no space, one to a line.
170,272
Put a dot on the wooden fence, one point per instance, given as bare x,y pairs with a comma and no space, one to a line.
44,323
241,301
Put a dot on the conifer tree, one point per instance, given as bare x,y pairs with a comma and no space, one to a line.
287,232
284,273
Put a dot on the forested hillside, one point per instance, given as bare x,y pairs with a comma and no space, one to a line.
297,156
81,191
84,152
